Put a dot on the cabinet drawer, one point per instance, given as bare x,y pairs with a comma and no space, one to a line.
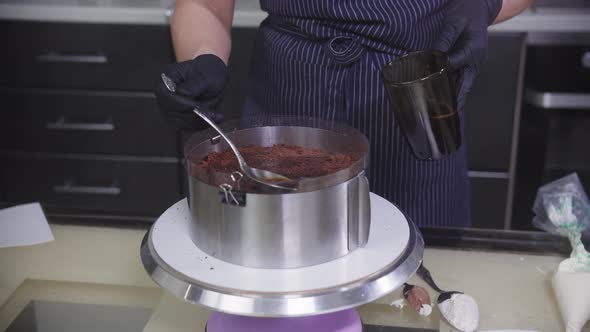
69,55
488,202
491,104
91,184
565,68
85,123
567,138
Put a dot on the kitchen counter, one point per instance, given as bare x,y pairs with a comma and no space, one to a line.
512,288
247,14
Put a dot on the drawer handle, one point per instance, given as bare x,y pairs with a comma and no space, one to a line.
53,57
586,60
488,175
558,100
63,124
70,188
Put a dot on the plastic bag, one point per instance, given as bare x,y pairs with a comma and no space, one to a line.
562,207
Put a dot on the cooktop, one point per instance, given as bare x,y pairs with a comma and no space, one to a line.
53,316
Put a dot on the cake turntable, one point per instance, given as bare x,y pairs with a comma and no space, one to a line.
275,261
391,256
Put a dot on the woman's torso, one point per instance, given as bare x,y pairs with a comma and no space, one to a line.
323,59
391,26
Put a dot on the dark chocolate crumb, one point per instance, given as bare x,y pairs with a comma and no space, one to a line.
289,160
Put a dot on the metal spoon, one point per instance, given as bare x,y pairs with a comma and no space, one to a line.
443,296
427,277
262,176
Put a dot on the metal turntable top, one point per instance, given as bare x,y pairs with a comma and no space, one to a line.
391,256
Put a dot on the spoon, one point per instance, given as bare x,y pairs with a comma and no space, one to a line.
427,277
449,312
261,176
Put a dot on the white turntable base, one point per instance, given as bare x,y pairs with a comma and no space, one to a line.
388,238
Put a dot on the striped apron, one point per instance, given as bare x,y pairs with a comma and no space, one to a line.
323,58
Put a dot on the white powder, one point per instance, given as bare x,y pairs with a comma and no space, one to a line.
398,304
461,311
425,310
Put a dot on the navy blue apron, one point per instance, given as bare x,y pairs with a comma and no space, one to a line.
323,58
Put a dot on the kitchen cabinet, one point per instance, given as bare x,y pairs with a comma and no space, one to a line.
93,183
490,107
80,130
555,129
493,112
78,95
83,56
488,201
85,122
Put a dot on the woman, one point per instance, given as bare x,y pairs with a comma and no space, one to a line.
323,58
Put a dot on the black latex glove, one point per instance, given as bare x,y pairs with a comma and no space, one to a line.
199,83
464,36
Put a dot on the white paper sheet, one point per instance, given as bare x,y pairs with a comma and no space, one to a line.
24,225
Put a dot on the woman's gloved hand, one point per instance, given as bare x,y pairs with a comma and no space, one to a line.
464,36
199,83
